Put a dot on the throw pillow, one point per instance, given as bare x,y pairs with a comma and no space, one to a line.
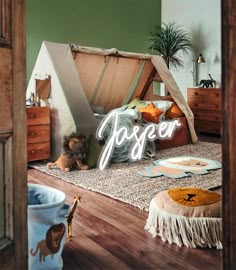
174,112
151,113
163,105
137,103
94,150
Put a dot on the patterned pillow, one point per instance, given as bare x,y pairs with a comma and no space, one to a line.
137,103
163,105
151,113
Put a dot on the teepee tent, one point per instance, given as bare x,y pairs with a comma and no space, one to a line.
68,103
86,77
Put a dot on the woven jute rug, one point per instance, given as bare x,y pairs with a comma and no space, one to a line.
122,182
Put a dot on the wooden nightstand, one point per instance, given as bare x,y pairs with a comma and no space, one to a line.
38,133
207,109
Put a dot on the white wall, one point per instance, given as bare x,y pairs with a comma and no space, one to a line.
202,19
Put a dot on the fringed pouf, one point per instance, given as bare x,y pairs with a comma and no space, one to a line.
188,217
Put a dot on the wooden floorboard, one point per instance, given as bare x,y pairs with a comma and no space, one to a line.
108,234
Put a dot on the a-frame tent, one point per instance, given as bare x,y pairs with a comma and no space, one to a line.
82,77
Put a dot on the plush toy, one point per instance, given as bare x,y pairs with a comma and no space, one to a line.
75,151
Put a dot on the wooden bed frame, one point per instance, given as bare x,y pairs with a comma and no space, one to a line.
180,137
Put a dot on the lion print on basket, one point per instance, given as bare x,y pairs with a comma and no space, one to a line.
51,244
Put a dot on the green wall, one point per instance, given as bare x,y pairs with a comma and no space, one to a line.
122,24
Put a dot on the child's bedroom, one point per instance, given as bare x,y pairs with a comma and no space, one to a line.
117,135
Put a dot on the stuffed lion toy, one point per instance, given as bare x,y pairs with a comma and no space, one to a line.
75,151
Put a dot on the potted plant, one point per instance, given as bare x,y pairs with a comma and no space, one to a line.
168,40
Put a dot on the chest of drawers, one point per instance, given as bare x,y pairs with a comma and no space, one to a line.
207,109
38,133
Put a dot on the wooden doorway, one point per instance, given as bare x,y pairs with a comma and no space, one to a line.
13,170
229,132
12,132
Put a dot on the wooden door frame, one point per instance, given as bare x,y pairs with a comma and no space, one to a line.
229,132
228,27
19,134
14,253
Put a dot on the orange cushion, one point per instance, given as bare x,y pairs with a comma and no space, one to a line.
174,111
151,113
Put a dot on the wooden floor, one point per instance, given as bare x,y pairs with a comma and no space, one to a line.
108,234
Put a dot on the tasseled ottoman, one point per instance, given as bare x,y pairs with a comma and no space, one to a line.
188,217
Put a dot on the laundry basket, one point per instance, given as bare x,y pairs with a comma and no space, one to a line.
46,227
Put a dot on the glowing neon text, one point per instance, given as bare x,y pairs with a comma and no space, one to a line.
140,135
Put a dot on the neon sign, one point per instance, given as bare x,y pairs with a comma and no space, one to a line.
140,135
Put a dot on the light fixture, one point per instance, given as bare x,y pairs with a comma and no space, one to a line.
200,59
197,61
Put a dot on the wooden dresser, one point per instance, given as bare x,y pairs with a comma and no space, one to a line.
207,109
38,133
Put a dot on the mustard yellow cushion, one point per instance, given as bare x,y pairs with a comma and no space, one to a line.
151,113
189,206
191,196
174,112
187,216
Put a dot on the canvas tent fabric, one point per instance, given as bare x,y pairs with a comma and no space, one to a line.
72,85
70,110
162,70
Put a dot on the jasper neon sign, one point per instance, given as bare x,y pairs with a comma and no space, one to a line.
140,135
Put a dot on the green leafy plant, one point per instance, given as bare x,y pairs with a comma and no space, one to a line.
168,40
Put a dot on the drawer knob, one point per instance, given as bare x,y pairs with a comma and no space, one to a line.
32,151
195,104
196,93
32,115
35,133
